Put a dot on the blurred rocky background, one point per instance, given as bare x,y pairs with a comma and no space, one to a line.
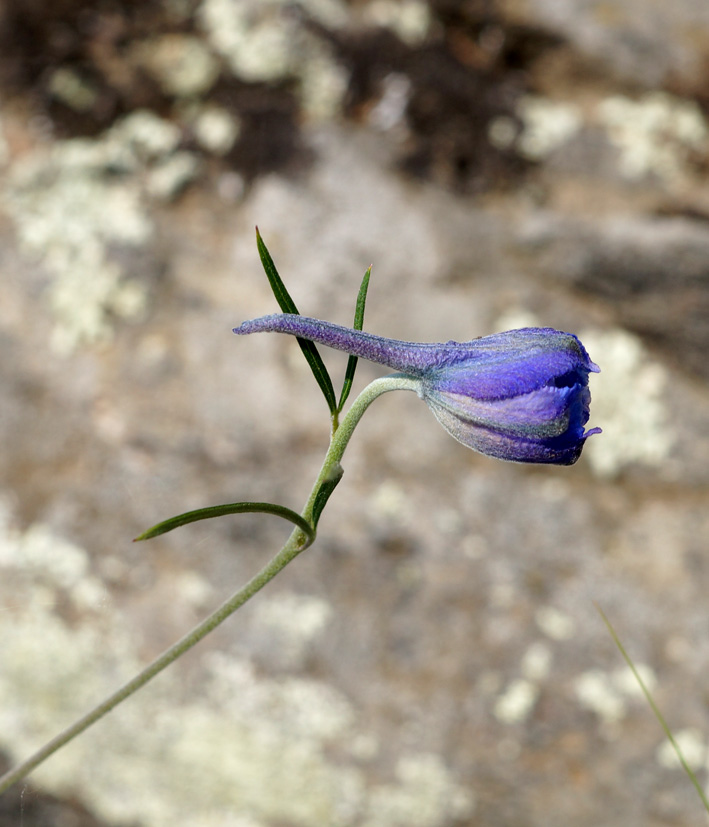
436,660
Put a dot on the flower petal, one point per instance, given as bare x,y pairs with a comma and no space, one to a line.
542,413
516,362
563,449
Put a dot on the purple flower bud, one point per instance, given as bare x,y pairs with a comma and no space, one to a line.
521,395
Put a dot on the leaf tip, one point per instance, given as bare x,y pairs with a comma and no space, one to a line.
147,535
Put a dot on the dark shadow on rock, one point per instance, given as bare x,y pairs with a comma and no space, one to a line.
652,272
24,805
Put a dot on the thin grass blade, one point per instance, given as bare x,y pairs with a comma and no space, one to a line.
656,710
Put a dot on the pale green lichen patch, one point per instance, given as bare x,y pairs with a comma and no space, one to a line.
182,64
389,502
516,702
243,750
265,42
546,125
555,624
216,129
655,135
595,691
323,83
637,433
693,746
170,175
424,796
145,134
289,623
519,697
607,693
536,663
410,20
252,41
56,562
71,89
72,203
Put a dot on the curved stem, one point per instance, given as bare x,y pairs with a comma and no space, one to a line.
295,544
341,436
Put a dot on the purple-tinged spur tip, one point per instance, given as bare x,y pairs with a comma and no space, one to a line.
521,396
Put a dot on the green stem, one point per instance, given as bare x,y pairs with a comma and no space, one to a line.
295,544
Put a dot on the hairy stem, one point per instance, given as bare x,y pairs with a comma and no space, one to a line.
295,544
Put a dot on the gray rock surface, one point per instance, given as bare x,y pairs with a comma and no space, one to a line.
437,658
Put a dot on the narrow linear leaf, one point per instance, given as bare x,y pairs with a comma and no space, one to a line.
287,305
282,295
230,508
358,323
656,710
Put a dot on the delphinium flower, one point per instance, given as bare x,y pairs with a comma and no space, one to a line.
521,395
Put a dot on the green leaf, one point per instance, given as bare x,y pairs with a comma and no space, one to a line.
230,508
358,322
324,492
287,305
